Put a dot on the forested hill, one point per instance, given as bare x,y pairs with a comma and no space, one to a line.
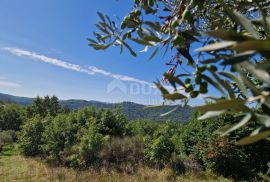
130,109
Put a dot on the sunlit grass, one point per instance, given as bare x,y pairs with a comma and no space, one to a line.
15,167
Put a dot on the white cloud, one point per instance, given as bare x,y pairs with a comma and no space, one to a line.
9,84
118,77
60,63
54,61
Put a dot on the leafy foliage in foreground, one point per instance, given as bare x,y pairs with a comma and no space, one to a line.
234,59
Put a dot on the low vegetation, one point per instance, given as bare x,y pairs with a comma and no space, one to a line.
104,140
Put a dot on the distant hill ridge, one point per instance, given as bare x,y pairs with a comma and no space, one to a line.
131,110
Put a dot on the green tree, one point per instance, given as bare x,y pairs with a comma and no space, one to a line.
11,117
44,107
59,135
30,139
234,58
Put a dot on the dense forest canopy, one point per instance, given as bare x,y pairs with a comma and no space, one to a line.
233,58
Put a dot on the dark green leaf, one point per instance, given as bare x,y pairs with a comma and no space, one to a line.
236,105
254,138
153,54
256,45
174,96
152,38
230,36
143,42
225,85
243,122
239,82
161,88
173,80
129,48
244,22
101,16
238,58
217,46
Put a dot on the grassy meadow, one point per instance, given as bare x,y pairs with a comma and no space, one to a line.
16,167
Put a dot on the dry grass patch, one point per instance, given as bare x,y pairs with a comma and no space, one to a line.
14,167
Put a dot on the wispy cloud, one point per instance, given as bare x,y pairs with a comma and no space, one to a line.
92,70
46,59
118,77
4,83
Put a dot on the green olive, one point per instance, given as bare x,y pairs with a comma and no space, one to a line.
201,69
188,80
138,12
198,79
212,68
203,87
194,94
189,88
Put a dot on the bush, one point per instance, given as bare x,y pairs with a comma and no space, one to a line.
58,135
119,153
227,159
30,140
159,151
142,127
83,116
221,155
90,144
6,137
112,123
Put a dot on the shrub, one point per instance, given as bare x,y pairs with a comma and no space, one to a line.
58,135
119,153
227,159
221,155
90,144
83,116
112,123
30,139
142,127
159,151
160,146
6,137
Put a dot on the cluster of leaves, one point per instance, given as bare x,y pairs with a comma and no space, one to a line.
234,58
47,106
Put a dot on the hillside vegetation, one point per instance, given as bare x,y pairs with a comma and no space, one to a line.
131,110
104,141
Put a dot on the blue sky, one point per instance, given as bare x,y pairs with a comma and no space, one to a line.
43,50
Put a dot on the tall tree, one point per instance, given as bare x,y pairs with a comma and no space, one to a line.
47,106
